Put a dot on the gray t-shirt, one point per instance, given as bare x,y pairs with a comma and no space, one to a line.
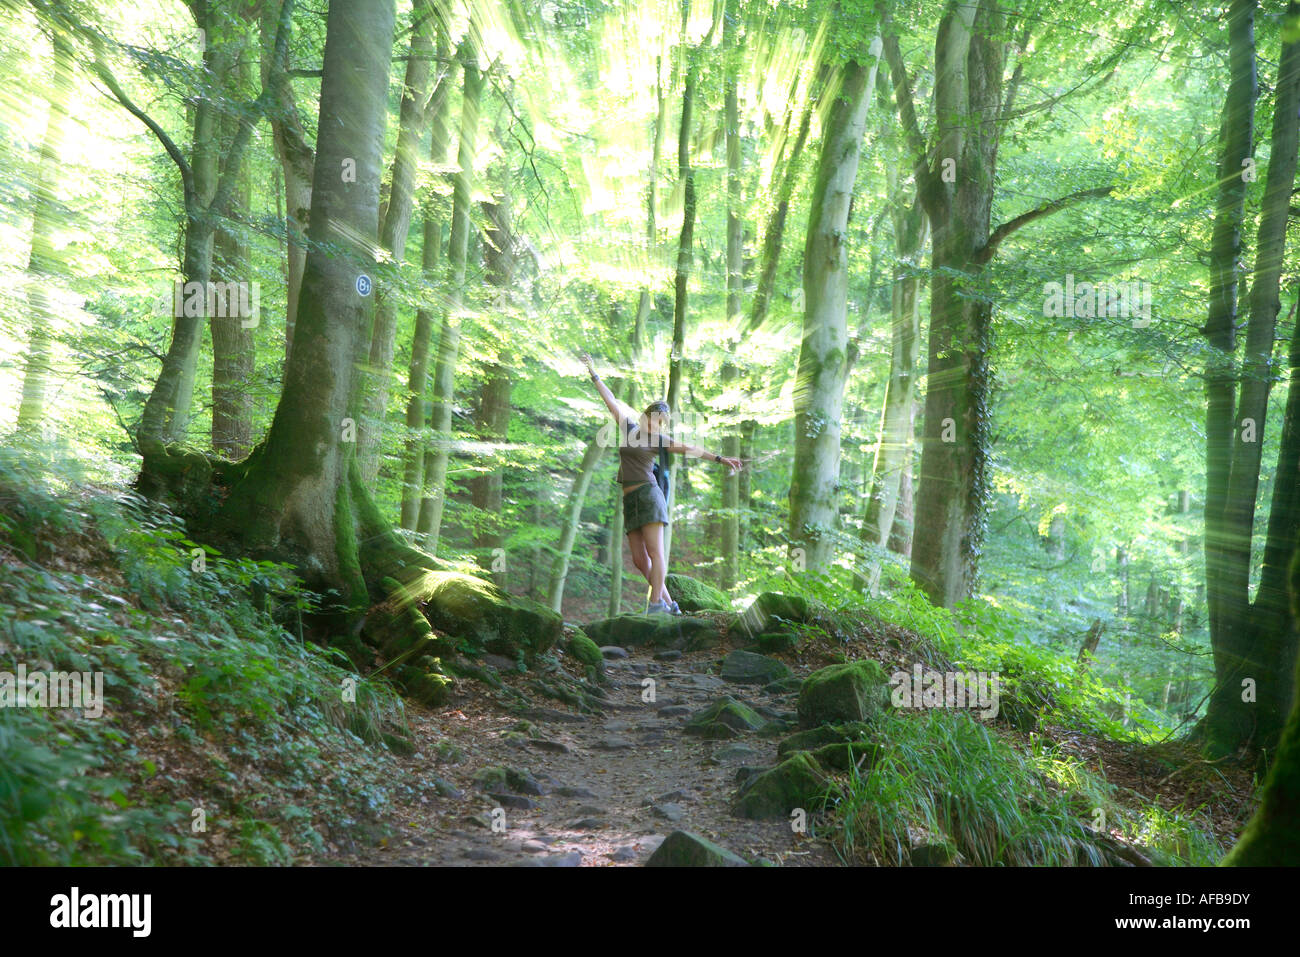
637,452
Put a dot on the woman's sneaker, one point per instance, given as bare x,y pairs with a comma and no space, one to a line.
658,608
675,609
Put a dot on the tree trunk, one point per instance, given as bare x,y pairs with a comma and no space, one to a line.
418,380
297,497
1122,597
729,540
819,385
900,536
572,518
953,485
297,162
492,415
208,184
233,346
1272,837
970,114
1236,137
1251,643
393,233
429,524
44,263
894,453
682,276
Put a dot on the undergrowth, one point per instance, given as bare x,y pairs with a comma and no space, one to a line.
224,737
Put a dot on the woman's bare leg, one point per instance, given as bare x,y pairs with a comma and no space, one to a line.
653,534
640,557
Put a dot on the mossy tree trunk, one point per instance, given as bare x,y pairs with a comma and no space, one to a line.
1272,837
301,496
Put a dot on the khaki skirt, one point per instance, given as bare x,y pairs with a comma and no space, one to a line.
642,506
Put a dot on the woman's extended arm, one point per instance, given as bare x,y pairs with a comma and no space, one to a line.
695,451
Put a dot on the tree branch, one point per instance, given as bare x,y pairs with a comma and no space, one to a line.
109,80
907,109
235,155
990,247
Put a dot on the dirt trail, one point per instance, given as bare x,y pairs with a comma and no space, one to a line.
612,786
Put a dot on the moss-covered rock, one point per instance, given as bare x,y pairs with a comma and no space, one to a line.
691,594
585,650
725,718
842,755
853,691
797,782
685,849
824,734
479,613
747,668
771,608
680,632
780,637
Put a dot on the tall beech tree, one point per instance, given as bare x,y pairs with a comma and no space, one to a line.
956,178
300,493
233,344
897,426
296,156
686,241
413,117
44,262
429,524
417,383
1253,643
823,355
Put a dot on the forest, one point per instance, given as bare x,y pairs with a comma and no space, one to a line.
805,433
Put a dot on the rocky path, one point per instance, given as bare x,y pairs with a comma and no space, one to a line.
547,786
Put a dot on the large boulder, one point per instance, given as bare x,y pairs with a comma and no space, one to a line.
691,594
797,782
747,668
481,614
853,691
681,632
685,849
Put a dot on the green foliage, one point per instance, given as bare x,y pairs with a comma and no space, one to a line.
254,714
949,779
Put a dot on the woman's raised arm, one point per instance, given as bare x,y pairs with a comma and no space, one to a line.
618,409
